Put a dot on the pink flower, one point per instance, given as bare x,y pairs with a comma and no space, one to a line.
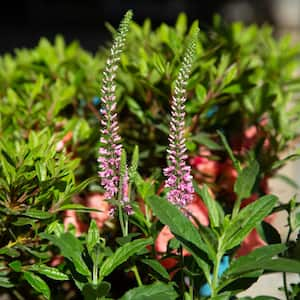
110,149
178,173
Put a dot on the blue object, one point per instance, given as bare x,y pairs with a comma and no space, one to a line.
212,111
205,290
96,100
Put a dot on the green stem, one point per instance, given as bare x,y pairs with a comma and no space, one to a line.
191,288
121,220
135,271
285,286
215,279
236,207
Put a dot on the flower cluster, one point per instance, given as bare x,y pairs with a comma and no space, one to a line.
178,173
110,149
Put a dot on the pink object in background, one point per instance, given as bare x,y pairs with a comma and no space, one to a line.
97,201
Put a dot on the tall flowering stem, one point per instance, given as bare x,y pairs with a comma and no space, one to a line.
178,173
111,148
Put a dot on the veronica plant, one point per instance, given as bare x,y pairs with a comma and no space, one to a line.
178,173
110,151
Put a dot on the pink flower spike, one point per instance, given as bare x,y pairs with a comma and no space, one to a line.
179,179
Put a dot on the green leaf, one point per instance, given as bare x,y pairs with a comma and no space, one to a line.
122,254
157,291
50,272
24,221
16,265
230,75
5,282
211,204
281,265
134,163
70,248
247,219
183,229
246,180
236,163
92,236
253,260
157,267
280,163
37,283
181,24
179,224
136,109
91,291
200,93
77,207
37,214
204,139
41,170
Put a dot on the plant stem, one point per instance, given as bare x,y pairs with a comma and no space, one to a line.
236,207
215,278
121,219
134,269
286,291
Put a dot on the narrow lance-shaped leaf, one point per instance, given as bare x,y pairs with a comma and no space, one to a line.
157,291
247,219
50,272
215,213
121,255
246,180
38,284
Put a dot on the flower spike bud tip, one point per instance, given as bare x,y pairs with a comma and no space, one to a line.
110,148
178,173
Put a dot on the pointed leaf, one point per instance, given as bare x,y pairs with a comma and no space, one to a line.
246,180
247,219
37,283
122,254
157,291
157,267
50,272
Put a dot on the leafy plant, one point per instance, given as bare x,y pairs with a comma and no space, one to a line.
238,86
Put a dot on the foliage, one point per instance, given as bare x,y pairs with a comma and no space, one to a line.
240,117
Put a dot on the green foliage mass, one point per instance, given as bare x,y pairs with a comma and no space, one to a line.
49,131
